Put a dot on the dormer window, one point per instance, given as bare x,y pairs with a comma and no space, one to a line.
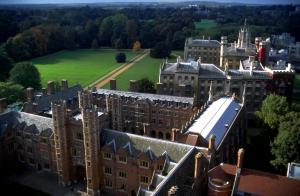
160,167
144,164
144,179
107,170
107,155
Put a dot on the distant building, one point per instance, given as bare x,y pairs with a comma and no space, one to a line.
282,41
257,81
208,50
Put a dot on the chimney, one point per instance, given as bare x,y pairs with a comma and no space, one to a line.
113,84
211,143
240,158
133,86
197,171
64,85
175,133
289,67
159,88
44,91
85,99
3,105
50,88
173,191
29,94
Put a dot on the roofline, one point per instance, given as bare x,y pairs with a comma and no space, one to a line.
165,180
238,114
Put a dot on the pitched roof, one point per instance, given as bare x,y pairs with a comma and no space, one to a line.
146,96
139,144
34,123
257,182
44,101
216,119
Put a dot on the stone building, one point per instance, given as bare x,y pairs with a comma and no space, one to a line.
145,114
79,147
252,79
208,50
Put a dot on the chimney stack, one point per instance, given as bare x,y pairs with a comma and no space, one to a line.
159,88
50,88
240,158
64,85
44,91
113,84
211,143
133,86
3,105
29,94
197,171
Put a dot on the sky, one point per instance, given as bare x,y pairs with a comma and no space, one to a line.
99,1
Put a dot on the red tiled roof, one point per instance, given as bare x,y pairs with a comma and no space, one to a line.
258,182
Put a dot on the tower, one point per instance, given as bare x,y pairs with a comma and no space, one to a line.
244,36
223,49
91,138
62,142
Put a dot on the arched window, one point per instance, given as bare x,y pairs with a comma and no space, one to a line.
160,135
153,134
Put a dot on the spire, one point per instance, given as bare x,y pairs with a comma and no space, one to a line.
210,95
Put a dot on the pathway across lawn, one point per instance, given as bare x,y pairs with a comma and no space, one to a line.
78,66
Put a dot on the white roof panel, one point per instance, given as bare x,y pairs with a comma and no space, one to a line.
216,119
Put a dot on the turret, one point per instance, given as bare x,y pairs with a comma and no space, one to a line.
222,50
85,99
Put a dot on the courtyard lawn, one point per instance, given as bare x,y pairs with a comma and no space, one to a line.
78,66
205,24
146,68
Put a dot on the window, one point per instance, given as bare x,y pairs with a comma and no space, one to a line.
85,124
31,161
122,174
89,163
144,179
107,170
107,155
74,152
192,78
144,164
108,183
186,78
122,159
160,167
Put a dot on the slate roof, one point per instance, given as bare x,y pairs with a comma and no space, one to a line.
30,122
44,102
216,119
151,146
207,70
191,66
146,96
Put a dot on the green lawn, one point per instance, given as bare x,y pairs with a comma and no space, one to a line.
147,67
205,24
78,66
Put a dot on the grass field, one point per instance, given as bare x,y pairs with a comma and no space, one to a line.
148,67
78,66
205,24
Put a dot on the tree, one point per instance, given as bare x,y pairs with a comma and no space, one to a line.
120,57
161,50
94,44
272,109
286,146
178,40
26,74
12,92
6,64
118,44
145,85
136,46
